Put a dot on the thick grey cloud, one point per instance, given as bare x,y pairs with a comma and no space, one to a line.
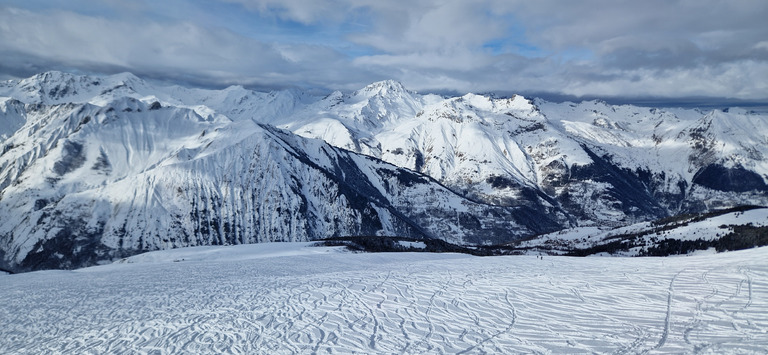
654,48
184,51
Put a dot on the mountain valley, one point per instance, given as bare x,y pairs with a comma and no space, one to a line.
93,169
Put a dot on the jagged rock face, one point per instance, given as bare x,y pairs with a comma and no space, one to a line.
97,168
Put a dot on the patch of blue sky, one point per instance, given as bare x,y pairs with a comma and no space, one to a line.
271,28
576,55
514,40
83,7
510,46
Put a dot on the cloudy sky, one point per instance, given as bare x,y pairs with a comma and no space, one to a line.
651,49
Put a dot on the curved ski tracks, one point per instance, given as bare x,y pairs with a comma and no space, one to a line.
394,303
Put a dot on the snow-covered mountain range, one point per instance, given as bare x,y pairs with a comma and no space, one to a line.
96,168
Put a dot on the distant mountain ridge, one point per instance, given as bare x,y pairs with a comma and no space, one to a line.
635,163
94,168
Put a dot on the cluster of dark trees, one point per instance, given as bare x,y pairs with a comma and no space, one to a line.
383,244
684,219
742,237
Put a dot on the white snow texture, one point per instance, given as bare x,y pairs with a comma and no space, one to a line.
291,298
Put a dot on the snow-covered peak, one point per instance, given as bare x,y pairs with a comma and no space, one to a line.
236,90
383,88
292,97
52,87
56,87
128,79
52,77
381,104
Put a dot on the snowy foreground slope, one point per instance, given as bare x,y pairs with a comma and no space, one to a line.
288,298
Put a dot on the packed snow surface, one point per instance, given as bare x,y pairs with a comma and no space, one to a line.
292,298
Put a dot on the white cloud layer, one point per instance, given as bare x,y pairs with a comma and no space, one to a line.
656,48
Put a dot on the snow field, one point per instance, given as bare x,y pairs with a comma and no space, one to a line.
287,298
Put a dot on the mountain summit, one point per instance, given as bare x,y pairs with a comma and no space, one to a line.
97,168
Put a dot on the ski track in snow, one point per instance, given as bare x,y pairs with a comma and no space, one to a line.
393,303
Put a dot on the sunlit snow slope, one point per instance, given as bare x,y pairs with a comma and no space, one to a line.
288,298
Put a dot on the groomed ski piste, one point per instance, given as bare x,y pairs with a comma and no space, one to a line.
295,298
